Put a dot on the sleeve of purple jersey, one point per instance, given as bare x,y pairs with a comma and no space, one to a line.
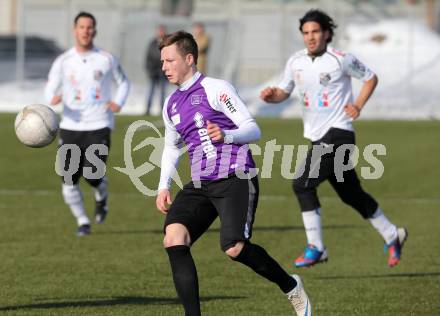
171,151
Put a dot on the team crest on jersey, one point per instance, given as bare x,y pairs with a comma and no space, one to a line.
324,78
196,99
97,75
198,119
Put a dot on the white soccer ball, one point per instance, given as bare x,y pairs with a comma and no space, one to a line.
36,125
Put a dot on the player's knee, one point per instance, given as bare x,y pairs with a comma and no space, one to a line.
171,240
176,235
235,250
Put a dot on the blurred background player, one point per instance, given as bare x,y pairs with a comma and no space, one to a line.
153,67
322,76
81,79
203,42
209,117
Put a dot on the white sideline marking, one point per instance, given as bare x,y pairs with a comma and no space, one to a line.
6,192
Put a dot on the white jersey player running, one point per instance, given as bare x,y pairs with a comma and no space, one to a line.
322,76
81,78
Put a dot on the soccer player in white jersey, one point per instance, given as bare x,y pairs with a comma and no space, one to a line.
209,117
322,76
81,79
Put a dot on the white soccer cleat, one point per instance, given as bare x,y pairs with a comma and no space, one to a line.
299,299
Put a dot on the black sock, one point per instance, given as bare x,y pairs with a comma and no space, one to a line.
256,258
185,278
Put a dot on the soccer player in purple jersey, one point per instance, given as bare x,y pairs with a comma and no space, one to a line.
208,116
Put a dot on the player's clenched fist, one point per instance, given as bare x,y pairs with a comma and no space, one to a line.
215,132
352,111
163,200
113,107
56,100
267,94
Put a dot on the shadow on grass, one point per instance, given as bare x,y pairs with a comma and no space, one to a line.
382,276
124,300
217,230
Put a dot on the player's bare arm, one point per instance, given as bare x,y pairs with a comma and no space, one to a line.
215,132
273,95
354,109
163,200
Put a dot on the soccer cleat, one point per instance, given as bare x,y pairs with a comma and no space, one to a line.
299,299
101,211
83,230
395,248
311,256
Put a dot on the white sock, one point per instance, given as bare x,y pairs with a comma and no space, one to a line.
73,197
79,212
386,229
101,192
312,224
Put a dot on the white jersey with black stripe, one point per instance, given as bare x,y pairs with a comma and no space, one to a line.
324,87
84,81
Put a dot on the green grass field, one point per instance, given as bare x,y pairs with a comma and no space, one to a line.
121,269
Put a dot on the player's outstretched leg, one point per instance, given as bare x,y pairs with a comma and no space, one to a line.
351,193
73,197
256,258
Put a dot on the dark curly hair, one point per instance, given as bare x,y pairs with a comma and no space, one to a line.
322,18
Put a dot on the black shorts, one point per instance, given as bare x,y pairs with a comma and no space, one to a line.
349,190
233,199
83,139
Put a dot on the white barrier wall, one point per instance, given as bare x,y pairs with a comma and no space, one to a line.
251,41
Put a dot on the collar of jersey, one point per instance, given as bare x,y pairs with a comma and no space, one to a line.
187,84
93,49
313,57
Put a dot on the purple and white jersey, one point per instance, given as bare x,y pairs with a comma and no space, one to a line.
186,112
